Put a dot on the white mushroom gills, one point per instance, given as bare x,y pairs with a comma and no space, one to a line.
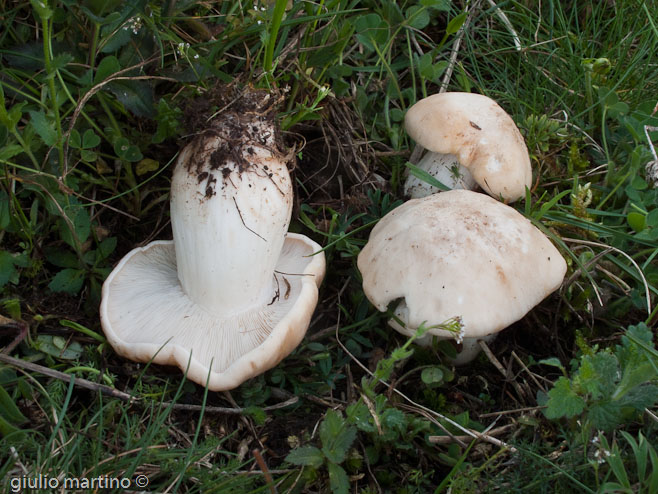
229,221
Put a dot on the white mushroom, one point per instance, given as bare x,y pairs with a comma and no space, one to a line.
458,254
232,294
469,138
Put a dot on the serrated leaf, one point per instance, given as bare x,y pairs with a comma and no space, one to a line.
8,264
9,151
43,127
338,479
59,62
598,374
640,397
336,436
359,415
605,415
563,401
68,281
392,418
79,217
106,247
306,456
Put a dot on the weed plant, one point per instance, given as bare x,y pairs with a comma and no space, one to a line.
96,99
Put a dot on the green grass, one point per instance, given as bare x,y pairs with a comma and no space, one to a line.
96,99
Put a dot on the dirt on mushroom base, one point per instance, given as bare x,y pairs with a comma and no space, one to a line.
240,119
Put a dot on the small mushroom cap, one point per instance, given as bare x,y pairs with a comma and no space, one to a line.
480,133
459,254
146,316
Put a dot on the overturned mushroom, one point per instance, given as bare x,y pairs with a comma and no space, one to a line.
469,139
233,293
458,255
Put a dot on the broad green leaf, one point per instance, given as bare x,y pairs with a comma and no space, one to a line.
432,375
456,23
115,38
306,456
8,264
74,139
9,410
90,139
136,96
127,151
563,401
68,281
637,221
146,165
338,479
7,428
107,67
43,127
553,361
5,212
62,258
417,17
652,218
442,5
45,344
9,151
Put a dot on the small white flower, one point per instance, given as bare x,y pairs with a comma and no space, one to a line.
460,336
182,48
133,24
196,56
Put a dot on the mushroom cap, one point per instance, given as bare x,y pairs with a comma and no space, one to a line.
147,316
480,133
459,254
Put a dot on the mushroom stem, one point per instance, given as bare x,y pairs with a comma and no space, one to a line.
443,167
231,201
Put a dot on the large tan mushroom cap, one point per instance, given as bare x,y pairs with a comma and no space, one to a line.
459,254
147,316
480,133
